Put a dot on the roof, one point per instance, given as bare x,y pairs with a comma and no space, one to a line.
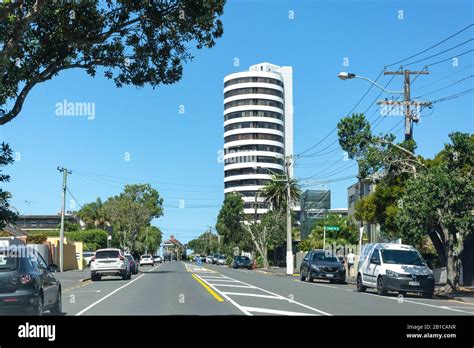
13,230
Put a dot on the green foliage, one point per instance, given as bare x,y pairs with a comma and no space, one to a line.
229,220
441,200
93,214
36,239
347,234
70,226
131,212
275,191
92,239
149,240
206,244
6,215
135,43
355,135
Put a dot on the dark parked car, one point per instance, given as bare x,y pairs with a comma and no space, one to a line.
242,262
133,264
27,282
318,264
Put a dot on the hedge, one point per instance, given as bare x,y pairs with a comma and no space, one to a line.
92,239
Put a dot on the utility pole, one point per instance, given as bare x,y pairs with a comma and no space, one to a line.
289,242
255,207
63,208
409,118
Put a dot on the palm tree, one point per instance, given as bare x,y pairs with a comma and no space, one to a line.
275,191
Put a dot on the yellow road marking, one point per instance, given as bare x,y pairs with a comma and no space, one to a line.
212,292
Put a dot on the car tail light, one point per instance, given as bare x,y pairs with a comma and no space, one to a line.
93,258
121,258
26,279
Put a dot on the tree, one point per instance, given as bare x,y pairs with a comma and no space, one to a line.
347,234
136,43
6,215
132,211
267,234
205,244
229,220
93,214
440,202
148,240
275,191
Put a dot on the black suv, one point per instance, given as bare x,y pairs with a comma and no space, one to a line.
319,264
27,283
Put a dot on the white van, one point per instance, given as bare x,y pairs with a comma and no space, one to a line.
394,267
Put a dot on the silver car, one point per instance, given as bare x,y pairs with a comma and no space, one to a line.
110,262
221,260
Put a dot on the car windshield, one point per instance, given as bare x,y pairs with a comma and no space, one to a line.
242,258
402,257
107,254
323,257
146,256
7,262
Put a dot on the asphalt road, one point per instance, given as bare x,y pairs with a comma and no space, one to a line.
178,288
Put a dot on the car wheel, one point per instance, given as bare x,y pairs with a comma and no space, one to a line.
309,278
302,277
58,306
360,286
427,294
380,288
39,309
94,277
332,281
124,275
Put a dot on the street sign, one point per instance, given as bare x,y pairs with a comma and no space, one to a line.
332,228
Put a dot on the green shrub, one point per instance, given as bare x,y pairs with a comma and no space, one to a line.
36,239
259,261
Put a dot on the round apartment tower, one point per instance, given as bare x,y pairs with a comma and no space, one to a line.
258,130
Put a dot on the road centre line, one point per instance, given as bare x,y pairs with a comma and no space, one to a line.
239,307
212,292
235,286
113,292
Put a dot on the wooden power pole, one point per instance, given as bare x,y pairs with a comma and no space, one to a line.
410,117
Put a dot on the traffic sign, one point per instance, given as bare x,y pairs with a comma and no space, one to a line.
332,228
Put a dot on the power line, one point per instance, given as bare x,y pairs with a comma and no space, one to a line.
442,88
437,54
445,77
431,47
454,96
450,58
75,199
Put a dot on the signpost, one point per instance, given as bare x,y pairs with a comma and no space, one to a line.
328,228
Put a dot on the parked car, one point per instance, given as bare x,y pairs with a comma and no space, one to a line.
167,257
27,282
319,264
209,259
221,260
133,264
242,262
157,259
394,267
87,257
214,258
110,262
146,260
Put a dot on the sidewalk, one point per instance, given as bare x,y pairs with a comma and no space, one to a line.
70,278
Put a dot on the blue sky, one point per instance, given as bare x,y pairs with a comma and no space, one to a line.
177,152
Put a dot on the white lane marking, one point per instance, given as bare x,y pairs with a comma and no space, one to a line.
418,303
113,292
223,280
235,286
239,307
323,285
86,291
274,294
211,278
253,295
275,311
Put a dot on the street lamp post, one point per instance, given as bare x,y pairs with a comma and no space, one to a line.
347,76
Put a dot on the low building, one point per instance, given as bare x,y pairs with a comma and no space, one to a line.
173,249
44,222
356,192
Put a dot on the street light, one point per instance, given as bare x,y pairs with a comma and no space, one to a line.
347,76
